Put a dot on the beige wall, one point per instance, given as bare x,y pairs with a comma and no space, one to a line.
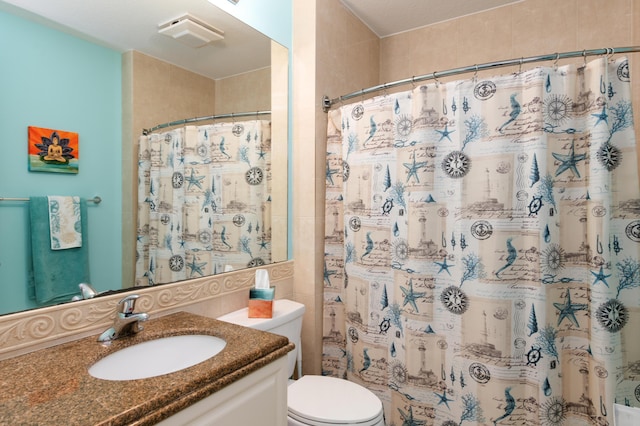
335,54
332,53
244,92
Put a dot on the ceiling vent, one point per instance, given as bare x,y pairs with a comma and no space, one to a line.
190,31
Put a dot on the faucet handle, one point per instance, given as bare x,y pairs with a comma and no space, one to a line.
127,305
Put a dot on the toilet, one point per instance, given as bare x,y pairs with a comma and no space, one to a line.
313,400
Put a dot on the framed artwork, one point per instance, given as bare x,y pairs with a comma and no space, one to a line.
54,151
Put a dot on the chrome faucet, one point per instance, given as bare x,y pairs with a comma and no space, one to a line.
86,291
126,322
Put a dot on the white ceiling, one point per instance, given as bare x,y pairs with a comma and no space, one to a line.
388,17
133,24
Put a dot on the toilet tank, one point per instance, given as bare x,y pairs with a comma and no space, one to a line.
286,321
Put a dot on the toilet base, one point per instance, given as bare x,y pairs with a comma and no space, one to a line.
294,422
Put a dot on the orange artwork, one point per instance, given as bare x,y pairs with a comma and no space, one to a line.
55,151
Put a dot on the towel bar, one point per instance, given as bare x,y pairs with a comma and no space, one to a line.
95,199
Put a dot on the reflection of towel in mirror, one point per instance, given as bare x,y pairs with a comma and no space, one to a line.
64,222
55,274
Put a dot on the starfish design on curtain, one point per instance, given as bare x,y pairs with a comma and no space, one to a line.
196,267
412,168
328,272
603,116
569,161
443,399
410,296
261,154
568,310
600,276
407,418
194,180
444,266
445,133
330,172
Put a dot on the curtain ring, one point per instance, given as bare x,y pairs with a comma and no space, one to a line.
610,52
435,77
555,63
413,82
475,74
384,90
520,67
584,57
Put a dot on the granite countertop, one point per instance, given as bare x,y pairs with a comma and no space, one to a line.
53,386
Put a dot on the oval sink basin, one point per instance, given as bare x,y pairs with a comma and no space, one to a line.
157,357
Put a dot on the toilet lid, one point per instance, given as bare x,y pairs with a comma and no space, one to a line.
329,400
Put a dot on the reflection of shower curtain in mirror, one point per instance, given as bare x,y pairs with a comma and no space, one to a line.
481,249
203,201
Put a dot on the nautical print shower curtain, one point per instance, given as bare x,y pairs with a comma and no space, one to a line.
481,255
203,201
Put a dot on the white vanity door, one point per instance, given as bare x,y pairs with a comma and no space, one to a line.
257,399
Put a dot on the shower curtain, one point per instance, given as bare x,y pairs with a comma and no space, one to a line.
481,249
203,201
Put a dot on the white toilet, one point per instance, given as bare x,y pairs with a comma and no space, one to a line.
314,400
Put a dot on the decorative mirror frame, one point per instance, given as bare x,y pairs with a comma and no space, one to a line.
28,331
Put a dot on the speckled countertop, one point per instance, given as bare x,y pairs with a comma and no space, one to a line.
53,387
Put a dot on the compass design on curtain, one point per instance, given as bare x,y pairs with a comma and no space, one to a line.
176,263
553,412
556,109
404,125
455,300
609,156
456,164
237,130
254,176
177,180
612,315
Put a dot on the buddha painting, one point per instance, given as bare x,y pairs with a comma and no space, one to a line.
53,150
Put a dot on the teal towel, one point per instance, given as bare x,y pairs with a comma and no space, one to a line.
55,274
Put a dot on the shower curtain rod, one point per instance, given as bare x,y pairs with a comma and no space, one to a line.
328,102
210,117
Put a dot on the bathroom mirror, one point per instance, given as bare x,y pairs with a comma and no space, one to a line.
243,59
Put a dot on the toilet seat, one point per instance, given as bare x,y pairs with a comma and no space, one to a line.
327,401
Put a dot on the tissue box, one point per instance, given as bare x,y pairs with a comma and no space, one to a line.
261,302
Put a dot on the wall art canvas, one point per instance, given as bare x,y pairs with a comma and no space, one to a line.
54,151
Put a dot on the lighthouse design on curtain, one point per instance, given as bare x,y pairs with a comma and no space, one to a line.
481,256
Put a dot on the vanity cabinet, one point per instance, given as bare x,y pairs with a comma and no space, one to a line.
259,398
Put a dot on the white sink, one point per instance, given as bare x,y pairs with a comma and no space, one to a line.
157,357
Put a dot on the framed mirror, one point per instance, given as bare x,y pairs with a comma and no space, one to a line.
71,71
